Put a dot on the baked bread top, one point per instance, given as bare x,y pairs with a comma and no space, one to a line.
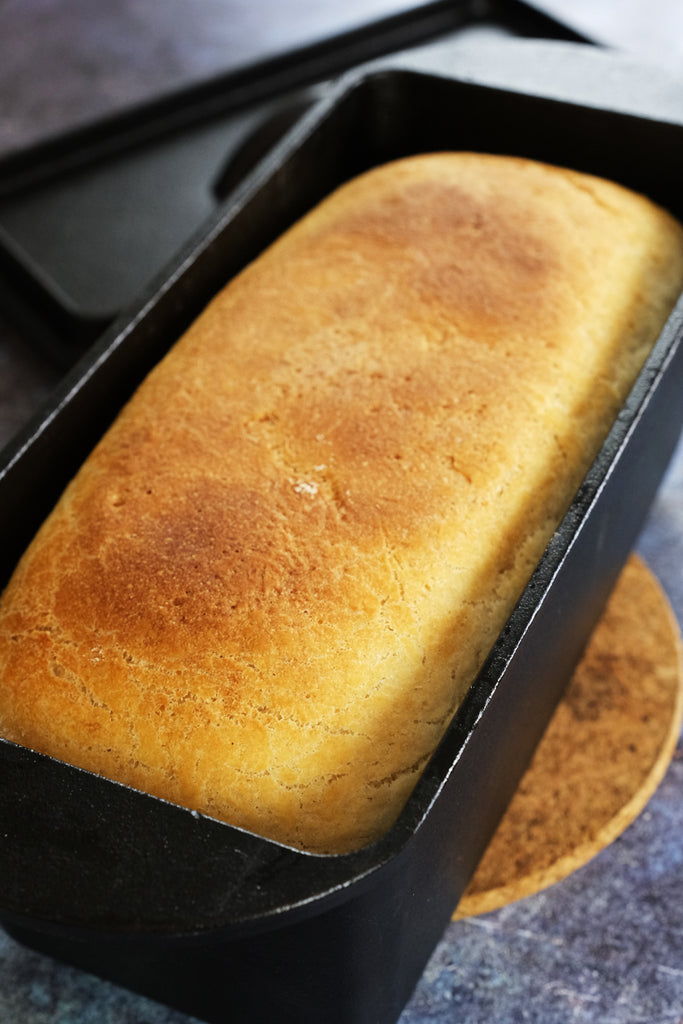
270,585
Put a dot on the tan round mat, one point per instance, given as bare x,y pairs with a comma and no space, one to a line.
604,753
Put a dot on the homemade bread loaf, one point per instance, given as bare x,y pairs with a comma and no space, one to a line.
268,588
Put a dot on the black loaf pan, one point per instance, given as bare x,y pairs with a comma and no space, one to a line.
215,921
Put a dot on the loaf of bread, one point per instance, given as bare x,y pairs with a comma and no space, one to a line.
270,585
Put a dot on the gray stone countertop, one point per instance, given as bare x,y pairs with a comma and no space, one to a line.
604,945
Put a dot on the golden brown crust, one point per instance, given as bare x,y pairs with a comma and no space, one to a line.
271,583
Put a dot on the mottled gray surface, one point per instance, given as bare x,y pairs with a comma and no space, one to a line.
605,946
36,990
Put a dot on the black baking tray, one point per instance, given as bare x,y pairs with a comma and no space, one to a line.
216,921
89,217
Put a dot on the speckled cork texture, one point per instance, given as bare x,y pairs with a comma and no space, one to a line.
603,755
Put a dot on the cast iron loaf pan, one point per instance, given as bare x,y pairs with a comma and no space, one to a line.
215,921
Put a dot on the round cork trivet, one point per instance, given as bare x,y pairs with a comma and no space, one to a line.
603,755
